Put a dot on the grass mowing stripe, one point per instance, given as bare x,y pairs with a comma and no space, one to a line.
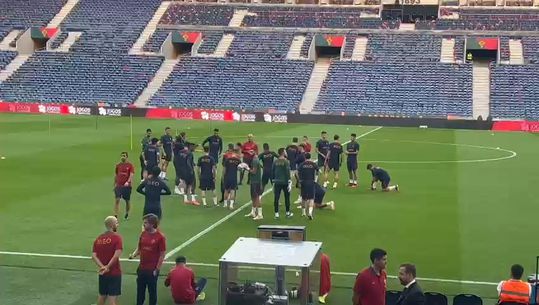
213,226
245,267
220,221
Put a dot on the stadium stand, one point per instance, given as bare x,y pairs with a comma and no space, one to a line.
156,40
388,47
198,14
531,48
245,83
210,40
397,88
306,45
80,78
57,41
514,91
6,58
260,44
22,14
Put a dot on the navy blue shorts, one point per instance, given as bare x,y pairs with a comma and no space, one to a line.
231,184
334,166
351,165
123,192
256,190
385,183
152,210
167,156
207,184
266,177
307,190
110,285
321,162
189,178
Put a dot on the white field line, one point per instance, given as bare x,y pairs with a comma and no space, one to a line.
227,217
213,226
49,255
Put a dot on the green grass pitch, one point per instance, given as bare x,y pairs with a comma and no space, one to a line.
465,212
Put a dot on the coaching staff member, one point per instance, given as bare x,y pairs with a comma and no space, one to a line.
151,248
106,253
370,286
412,293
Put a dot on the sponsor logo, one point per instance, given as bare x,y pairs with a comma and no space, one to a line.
83,110
217,116
276,118
205,115
184,115
248,117
236,116
42,109
110,111
49,109
20,108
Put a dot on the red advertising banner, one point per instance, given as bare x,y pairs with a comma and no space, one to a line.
516,126
193,114
34,108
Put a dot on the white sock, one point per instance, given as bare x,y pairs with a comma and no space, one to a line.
204,200
355,181
351,181
231,203
253,211
259,211
311,211
326,184
164,174
334,184
184,198
391,188
215,200
303,211
182,190
226,202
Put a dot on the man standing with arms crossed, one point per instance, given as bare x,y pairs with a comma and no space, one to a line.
151,248
371,283
281,183
106,255
122,185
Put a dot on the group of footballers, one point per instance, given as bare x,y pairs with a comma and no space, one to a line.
296,163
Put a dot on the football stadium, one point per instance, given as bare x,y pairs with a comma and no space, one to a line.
253,152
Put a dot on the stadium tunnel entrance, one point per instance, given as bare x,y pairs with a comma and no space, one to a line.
181,43
328,45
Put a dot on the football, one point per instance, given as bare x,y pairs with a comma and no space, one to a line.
243,165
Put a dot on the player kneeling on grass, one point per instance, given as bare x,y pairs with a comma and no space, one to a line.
319,193
181,280
255,177
379,174
307,172
206,175
106,255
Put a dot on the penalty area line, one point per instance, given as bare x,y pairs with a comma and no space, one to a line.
81,257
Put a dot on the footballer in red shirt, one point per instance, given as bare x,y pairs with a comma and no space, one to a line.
122,184
249,150
371,283
308,147
106,253
181,280
151,248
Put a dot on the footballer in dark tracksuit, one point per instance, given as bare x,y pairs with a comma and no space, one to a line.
352,152
167,141
230,178
267,158
151,156
334,160
381,175
152,188
206,175
144,143
215,145
281,182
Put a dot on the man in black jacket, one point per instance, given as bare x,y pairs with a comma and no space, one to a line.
412,293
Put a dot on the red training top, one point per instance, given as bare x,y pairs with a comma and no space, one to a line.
249,150
308,147
325,275
182,284
123,171
151,245
104,247
371,287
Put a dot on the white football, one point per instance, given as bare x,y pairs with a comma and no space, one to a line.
243,165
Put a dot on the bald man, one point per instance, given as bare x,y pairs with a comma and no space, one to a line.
106,253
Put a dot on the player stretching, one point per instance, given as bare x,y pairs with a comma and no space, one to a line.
215,145
187,166
307,172
166,145
319,193
322,148
379,174
151,157
179,145
352,152
250,151
291,154
255,174
144,143
281,183
230,175
122,185
267,157
152,188
206,175
334,161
